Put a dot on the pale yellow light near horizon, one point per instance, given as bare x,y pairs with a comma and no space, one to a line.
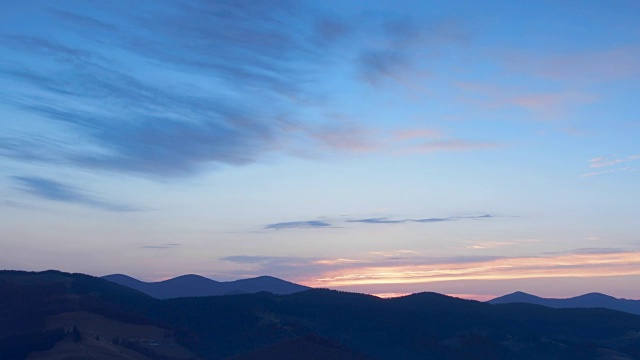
574,265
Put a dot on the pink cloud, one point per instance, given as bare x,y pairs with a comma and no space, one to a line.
545,105
345,137
453,145
587,66
419,133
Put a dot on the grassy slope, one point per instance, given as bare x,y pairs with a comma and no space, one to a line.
88,349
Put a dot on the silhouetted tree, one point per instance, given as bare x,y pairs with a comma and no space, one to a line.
75,334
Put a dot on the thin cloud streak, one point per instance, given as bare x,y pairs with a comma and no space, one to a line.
161,247
56,191
490,244
298,225
384,220
316,224
453,145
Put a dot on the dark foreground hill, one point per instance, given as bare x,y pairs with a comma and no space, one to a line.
195,285
591,300
116,322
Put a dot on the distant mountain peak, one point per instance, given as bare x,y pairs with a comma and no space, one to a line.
595,295
518,296
196,285
589,300
120,275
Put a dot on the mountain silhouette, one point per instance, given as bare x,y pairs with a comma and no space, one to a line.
590,300
196,285
45,311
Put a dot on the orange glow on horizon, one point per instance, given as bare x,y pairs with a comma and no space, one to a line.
390,295
574,265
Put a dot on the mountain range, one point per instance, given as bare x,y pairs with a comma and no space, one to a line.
195,285
591,300
57,315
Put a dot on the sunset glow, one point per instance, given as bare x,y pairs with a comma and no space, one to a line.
386,147
575,265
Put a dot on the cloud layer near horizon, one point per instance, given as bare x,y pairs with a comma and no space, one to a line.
409,267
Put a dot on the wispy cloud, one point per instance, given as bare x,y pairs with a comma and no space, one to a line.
543,104
378,221
605,161
594,173
490,244
601,158
400,42
328,223
161,246
344,137
394,253
56,191
204,84
186,87
16,204
291,268
418,133
384,220
298,225
453,145
608,160
250,259
616,63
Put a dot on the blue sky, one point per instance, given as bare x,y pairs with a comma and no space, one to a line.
464,147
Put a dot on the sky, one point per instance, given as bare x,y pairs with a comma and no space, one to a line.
472,148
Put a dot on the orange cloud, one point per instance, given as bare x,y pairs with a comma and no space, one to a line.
564,265
336,261
490,244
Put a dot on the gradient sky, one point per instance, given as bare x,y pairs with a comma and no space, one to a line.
465,147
